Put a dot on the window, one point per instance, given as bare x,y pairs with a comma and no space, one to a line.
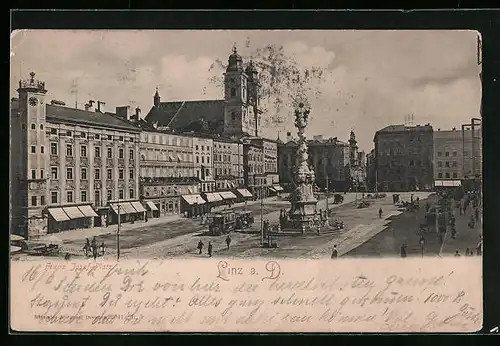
97,136
84,174
455,175
131,139
53,172
121,138
41,126
42,200
97,198
440,153
447,175
110,153
110,137
42,149
83,151
466,153
97,151
23,126
33,174
69,173
109,195
33,201
447,154
233,92
197,159
33,149
33,126
110,174
233,116
53,197
455,164
41,174
120,153
447,164
131,154
84,196
53,148
82,134
440,164
454,153
120,194
196,147
69,196
203,159
131,174
69,150
68,133
208,159
120,174
131,193
53,131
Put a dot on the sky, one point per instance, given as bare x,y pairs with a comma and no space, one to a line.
371,79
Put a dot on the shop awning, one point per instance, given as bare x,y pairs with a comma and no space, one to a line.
213,197
87,211
73,212
193,199
244,192
125,208
227,195
271,188
278,188
448,183
58,214
138,206
151,206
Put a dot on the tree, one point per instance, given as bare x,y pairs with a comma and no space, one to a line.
283,82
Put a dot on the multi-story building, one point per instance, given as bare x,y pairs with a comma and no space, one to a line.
68,163
329,157
253,163
203,163
228,163
472,150
371,170
404,158
448,155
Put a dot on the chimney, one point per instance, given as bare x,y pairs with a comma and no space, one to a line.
100,107
90,106
57,103
137,114
123,112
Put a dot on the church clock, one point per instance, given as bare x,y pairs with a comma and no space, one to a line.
33,101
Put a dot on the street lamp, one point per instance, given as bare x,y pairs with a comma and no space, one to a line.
422,243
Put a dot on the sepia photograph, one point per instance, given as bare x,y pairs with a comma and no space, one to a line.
246,180
286,144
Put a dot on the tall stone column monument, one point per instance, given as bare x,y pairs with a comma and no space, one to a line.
303,208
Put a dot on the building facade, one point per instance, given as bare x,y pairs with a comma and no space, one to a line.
329,157
404,158
371,169
228,163
203,162
253,163
69,165
448,155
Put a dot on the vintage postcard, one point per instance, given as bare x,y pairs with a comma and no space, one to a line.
245,181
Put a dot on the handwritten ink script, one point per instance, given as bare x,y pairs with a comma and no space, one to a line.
376,295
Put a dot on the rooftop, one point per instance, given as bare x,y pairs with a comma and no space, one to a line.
57,113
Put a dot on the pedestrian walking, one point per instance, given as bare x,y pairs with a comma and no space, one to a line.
335,253
380,213
228,241
94,247
200,246
457,254
209,249
86,248
403,251
103,249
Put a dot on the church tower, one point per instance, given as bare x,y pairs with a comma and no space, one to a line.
237,120
253,96
30,156
353,148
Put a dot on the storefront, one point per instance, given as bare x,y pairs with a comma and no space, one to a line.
69,218
140,210
276,190
152,209
193,205
228,197
244,195
214,200
123,210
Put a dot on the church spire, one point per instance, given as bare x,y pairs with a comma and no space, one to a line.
156,98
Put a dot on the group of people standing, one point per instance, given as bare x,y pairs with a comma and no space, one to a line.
91,248
201,245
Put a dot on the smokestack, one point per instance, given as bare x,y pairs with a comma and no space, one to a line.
137,114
